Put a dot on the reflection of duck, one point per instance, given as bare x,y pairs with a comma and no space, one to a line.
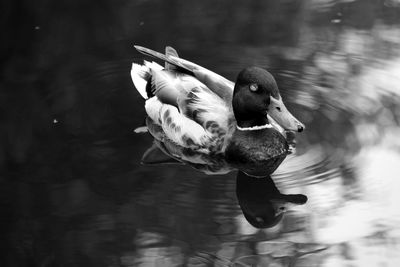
203,112
261,202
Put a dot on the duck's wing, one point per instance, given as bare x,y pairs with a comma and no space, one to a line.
189,113
193,98
209,110
176,126
218,84
170,86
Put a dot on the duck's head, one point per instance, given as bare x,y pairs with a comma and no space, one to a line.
256,94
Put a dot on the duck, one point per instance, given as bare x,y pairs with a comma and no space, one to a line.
204,113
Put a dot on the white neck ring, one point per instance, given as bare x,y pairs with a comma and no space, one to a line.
254,128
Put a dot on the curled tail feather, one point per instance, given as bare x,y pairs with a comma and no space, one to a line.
140,74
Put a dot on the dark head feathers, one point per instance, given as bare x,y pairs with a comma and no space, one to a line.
260,77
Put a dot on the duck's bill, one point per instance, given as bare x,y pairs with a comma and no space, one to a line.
278,111
284,202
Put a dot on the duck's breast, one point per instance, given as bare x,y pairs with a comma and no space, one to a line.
257,152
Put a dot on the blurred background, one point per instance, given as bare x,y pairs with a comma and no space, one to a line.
73,192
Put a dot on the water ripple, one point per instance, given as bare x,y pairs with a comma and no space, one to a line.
314,166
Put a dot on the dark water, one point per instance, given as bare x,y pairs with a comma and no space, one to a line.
74,194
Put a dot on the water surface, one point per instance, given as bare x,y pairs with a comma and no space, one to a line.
73,192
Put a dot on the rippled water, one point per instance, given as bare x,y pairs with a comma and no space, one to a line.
73,192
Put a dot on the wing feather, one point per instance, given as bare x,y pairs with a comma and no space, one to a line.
176,126
203,97
140,75
170,86
218,84
207,109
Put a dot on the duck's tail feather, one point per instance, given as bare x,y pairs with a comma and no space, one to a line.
169,51
168,58
154,68
153,65
140,74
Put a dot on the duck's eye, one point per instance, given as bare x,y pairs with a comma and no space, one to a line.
282,208
253,87
278,108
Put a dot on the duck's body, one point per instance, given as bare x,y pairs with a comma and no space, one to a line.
203,112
